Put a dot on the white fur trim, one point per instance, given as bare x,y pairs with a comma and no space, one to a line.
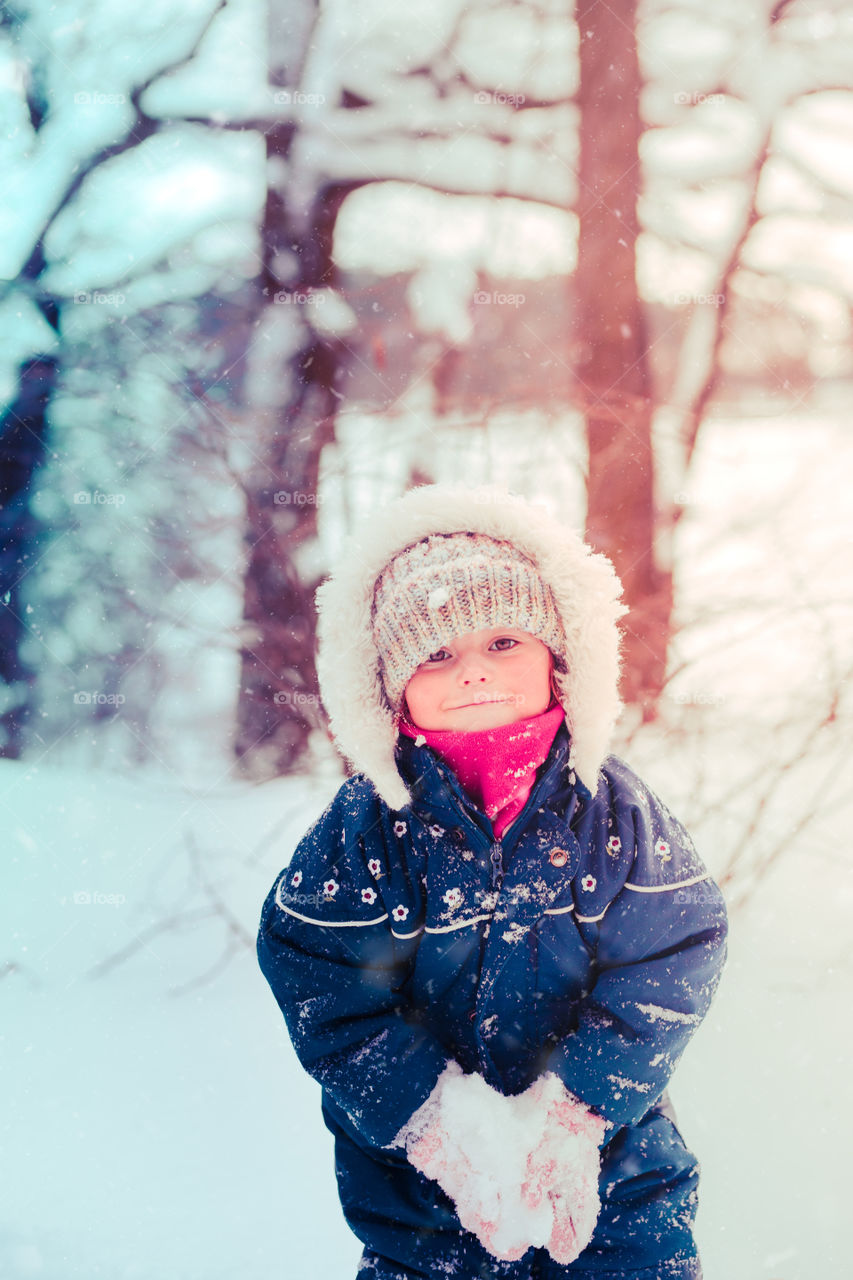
585,587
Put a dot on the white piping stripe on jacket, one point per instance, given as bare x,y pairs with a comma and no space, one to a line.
662,888
336,924
460,924
592,919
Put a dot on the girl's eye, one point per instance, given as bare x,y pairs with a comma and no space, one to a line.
508,639
436,657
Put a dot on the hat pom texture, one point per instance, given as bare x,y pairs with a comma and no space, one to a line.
583,587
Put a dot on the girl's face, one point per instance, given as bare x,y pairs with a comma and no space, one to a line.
481,680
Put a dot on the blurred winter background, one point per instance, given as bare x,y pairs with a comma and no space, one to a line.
264,266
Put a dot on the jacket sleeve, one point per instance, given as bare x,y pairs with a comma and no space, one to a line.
338,971
659,944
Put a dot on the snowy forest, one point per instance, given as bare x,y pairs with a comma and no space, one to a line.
265,265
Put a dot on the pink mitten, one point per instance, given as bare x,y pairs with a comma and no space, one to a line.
563,1168
463,1137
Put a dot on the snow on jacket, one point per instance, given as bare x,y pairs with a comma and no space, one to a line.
588,941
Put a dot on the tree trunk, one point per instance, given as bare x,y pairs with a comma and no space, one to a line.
610,366
279,702
22,447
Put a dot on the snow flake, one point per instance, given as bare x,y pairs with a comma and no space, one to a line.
614,846
436,830
420,740
374,866
330,888
588,883
400,913
662,851
400,828
296,879
453,898
368,895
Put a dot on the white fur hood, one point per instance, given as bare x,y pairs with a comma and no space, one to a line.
585,587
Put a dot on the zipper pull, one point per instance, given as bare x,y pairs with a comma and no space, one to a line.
496,856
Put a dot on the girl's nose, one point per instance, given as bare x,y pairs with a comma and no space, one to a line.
472,669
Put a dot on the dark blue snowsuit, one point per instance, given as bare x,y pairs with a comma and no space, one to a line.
588,941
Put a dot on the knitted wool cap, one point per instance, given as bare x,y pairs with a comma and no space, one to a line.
446,585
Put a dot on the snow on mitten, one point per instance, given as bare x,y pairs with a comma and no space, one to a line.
563,1168
468,1138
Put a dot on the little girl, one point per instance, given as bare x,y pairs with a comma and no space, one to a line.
493,946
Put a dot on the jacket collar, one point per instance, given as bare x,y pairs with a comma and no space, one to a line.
438,795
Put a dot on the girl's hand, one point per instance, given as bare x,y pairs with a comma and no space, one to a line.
563,1168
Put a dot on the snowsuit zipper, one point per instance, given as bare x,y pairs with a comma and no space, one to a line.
496,856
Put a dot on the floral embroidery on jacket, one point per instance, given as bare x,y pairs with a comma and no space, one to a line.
453,898
296,879
374,866
588,883
330,888
400,913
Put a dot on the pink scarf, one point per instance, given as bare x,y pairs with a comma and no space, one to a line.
497,767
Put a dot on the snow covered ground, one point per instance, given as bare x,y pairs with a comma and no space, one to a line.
156,1127
157,1122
